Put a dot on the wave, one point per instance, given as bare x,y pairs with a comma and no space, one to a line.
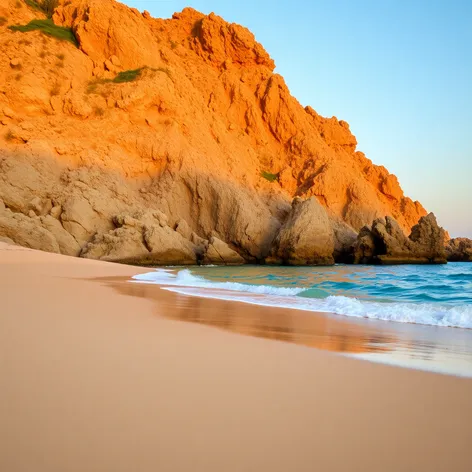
459,316
462,276
186,279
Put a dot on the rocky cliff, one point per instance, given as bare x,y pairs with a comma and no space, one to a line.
385,243
107,113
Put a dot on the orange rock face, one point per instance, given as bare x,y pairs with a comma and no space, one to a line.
205,113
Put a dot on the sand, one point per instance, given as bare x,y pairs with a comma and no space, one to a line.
95,377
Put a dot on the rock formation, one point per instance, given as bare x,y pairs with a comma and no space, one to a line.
306,236
37,232
385,243
218,252
141,238
459,250
185,116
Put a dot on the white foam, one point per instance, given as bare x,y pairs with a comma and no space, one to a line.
429,314
186,279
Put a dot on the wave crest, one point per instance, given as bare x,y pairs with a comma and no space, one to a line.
286,297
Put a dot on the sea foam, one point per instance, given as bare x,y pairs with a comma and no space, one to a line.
186,279
433,314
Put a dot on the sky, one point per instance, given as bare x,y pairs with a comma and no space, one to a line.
398,71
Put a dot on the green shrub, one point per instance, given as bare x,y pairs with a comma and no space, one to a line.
128,76
132,75
121,78
268,176
48,28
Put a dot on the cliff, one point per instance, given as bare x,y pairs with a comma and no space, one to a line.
117,112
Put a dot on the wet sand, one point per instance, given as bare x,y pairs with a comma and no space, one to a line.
99,376
433,348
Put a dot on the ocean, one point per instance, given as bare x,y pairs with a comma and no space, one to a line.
422,313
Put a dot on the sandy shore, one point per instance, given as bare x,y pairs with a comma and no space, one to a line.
93,378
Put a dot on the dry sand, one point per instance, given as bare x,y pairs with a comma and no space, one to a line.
93,379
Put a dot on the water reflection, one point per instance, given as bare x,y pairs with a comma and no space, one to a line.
438,349
307,329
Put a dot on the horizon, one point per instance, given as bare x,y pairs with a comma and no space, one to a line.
398,74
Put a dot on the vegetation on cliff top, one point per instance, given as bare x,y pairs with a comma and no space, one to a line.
48,28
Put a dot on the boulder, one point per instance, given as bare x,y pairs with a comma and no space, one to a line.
208,204
27,232
428,239
306,237
218,252
81,220
141,238
166,246
385,243
459,250
67,244
120,245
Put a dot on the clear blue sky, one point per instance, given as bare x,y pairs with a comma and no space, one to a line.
399,71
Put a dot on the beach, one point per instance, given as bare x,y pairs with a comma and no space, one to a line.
100,377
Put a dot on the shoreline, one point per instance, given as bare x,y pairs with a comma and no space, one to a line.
96,379
375,340
375,337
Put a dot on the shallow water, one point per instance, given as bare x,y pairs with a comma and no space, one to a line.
422,303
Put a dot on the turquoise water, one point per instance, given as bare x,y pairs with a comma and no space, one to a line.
411,316
437,295
449,284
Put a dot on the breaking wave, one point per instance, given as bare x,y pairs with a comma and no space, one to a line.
321,297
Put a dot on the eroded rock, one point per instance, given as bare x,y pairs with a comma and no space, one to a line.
306,237
218,252
385,243
459,250
27,232
141,238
